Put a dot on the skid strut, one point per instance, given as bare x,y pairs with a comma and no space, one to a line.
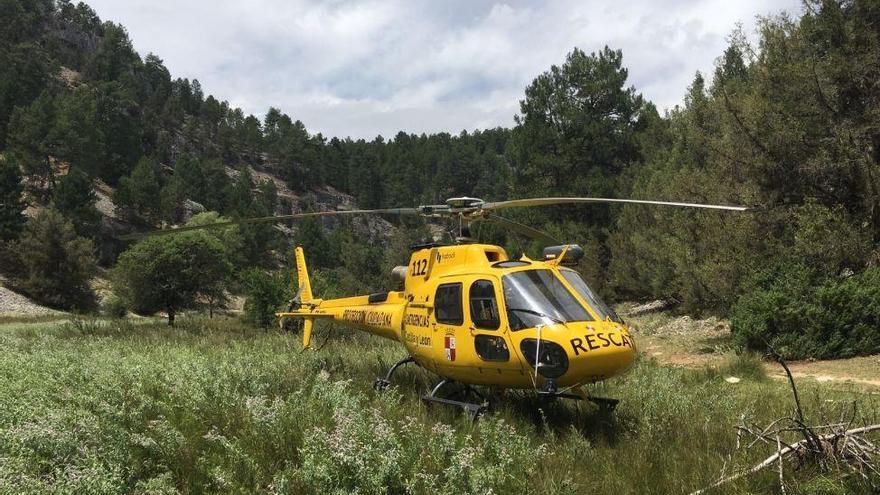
549,393
472,409
382,383
604,403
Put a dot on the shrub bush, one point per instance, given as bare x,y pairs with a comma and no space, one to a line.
802,317
265,295
114,307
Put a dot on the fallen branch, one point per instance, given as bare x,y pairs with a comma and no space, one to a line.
842,446
781,452
779,459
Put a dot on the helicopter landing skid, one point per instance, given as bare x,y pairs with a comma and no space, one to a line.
382,383
604,403
472,409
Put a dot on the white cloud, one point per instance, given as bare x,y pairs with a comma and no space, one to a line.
362,68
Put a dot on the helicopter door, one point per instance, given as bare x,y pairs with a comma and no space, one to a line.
449,316
489,340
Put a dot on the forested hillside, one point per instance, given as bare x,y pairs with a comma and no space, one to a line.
789,121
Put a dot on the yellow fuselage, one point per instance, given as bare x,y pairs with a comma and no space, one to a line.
453,318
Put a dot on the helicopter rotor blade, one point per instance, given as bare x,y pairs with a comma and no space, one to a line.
516,203
271,219
519,228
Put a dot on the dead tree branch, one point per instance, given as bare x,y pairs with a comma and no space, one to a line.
841,447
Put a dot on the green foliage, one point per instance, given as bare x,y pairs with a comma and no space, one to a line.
787,123
75,199
139,195
791,310
118,115
265,293
26,67
31,139
259,238
115,58
230,237
114,307
350,455
217,186
170,273
700,258
171,200
11,202
188,171
745,365
321,252
827,239
222,407
777,128
241,193
58,264
78,131
578,126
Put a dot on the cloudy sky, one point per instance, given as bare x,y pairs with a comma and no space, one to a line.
361,67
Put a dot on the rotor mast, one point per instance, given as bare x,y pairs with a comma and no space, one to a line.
467,210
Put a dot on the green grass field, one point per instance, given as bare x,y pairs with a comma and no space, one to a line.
217,407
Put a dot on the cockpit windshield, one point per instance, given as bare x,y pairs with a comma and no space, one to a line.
535,297
602,310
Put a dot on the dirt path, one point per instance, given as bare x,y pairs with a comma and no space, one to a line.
695,343
863,370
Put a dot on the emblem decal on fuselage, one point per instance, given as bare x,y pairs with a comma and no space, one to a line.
449,344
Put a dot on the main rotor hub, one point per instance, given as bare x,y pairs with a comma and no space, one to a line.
464,204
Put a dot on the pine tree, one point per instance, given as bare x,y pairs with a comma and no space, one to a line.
118,118
172,200
11,203
32,138
217,186
75,198
188,170
59,264
241,194
267,197
80,140
23,77
138,196
115,58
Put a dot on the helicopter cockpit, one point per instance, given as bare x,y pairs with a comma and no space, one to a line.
539,297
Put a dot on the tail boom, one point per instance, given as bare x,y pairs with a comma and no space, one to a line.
379,314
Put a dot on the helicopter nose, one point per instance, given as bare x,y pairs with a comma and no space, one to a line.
600,352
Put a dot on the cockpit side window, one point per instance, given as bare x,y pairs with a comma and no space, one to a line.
484,306
447,304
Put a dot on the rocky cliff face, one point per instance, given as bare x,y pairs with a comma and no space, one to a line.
369,228
372,228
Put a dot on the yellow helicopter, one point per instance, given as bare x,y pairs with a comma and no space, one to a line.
474,316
